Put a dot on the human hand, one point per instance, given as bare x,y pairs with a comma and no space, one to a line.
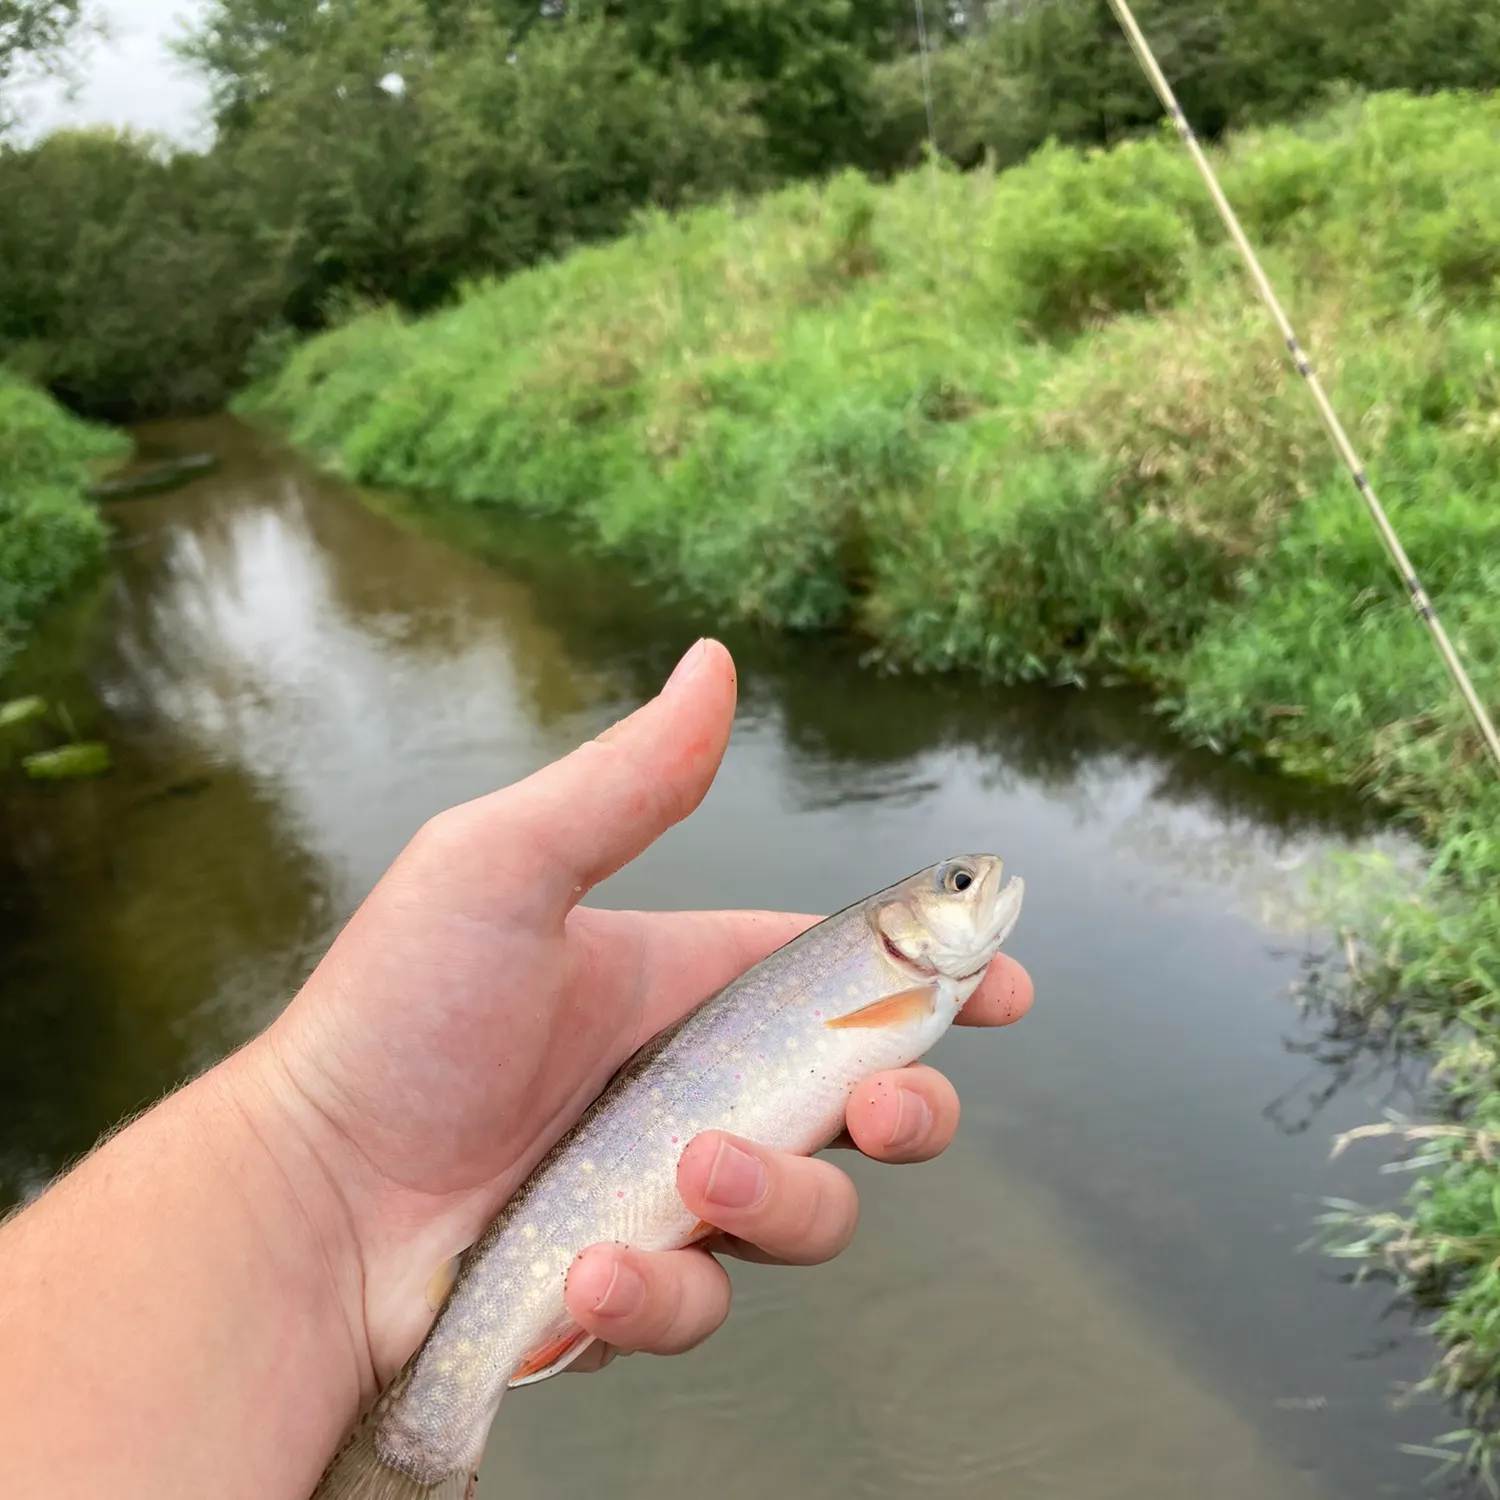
472,1009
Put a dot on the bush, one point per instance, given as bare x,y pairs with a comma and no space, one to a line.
49,531
128,283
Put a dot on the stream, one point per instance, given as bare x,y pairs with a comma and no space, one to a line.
1101,1291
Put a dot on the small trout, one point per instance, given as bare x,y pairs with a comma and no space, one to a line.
773,1057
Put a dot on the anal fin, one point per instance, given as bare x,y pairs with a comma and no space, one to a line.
893,1010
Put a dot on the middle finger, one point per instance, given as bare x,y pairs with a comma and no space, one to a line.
796,1209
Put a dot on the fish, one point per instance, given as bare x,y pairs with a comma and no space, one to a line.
772,1057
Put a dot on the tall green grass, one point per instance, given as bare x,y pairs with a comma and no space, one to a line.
1033,425
49,529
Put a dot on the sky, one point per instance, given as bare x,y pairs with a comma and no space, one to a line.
127,79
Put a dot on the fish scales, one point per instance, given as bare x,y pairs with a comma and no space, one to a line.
772,1057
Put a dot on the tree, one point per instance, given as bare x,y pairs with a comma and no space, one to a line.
36,36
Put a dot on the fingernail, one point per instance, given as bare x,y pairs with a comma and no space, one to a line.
913,1119
692,660
625,1293
736,1179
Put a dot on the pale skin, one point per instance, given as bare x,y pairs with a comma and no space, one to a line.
204,1305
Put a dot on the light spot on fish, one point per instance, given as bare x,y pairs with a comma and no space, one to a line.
529,1230
791,1043
539,1268
586,1166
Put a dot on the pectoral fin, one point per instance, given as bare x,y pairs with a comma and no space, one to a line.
894,1010
440,1283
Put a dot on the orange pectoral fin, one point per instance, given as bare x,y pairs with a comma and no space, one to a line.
894,1010
551,1357
440,1283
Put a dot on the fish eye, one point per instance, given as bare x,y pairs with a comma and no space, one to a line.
956,878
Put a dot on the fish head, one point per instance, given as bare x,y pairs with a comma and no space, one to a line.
949,921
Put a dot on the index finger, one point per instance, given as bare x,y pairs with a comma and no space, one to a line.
1004,995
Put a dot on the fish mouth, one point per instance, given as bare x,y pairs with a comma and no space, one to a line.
1005,911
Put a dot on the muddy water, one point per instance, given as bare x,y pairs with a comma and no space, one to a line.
1097,1293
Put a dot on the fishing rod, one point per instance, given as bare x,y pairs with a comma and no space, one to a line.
1420,600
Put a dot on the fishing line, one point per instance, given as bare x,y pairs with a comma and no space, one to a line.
926,78
1419,597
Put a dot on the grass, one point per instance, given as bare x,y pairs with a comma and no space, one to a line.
1034,426
49,530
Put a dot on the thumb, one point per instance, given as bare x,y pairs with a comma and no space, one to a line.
577,821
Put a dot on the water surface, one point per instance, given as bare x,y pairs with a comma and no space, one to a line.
1097,1293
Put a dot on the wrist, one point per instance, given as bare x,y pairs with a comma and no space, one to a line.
302,1212
190,1265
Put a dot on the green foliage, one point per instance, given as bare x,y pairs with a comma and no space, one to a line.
1087,237
525,160
394,150
127,282
48,529
35,36
1035,425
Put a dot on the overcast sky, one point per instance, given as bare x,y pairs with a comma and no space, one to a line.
129,79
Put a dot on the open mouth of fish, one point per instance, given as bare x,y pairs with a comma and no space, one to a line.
1006,912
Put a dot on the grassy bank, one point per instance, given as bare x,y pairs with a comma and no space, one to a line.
49,529
1033,426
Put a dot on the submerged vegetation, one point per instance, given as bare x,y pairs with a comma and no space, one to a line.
49,529
1033,425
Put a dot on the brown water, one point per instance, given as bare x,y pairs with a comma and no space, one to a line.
1097,1294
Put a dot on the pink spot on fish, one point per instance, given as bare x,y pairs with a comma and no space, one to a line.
620,1193
739,1077
674,1140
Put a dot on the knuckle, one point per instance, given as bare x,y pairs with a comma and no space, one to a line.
437,838
700,1315
648,792
824,1214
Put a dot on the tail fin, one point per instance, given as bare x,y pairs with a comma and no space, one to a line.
359,1473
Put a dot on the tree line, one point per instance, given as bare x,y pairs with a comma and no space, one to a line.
394,150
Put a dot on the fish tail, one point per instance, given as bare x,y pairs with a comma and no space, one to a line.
359,1473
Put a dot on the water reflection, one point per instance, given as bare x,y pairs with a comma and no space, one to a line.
1097,1292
